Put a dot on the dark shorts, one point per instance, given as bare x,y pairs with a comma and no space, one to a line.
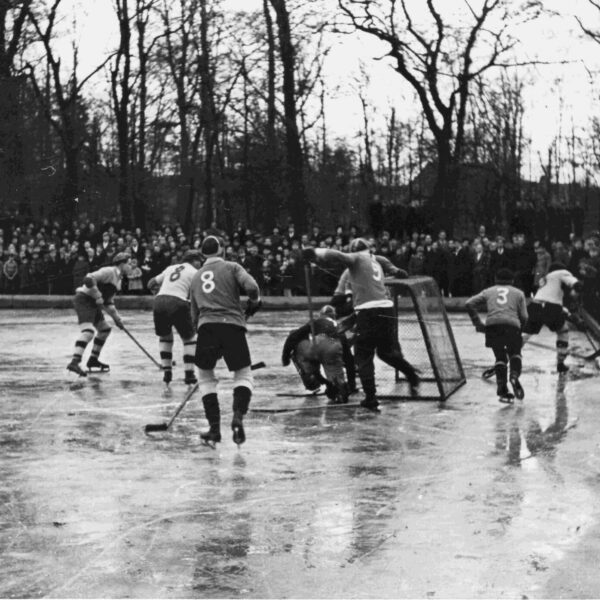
222,340
498,337
87,310
544,313
169,312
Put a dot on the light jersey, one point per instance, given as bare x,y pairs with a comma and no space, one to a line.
551,286
107,283
505,304
365,277
215,292
176,280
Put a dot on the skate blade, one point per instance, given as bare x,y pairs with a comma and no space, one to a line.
212,445
97,370
506,399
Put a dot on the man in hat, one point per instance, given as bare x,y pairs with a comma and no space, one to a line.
96,294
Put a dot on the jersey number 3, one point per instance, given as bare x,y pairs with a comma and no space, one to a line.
208,282
502,295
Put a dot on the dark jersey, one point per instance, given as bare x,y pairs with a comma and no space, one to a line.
365,277
505,304
215,292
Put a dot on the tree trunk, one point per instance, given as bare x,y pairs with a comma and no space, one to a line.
295,160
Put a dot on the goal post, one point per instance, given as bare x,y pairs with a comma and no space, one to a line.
427,341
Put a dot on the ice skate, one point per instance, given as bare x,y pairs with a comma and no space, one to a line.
211,437
75,368
504,395
190,379
370,403
94,365
517,388
237,426
168,376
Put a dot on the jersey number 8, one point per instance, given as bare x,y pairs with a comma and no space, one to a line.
208,282
176,274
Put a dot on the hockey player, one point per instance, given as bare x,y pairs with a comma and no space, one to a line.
547,309
374,316
97,293
221,326
506,316
328,349
172,309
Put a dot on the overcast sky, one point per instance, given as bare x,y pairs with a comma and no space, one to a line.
550,39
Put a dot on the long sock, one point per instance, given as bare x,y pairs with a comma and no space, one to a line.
501,372
241,399
562,351
85,337
515,366
99,341
212,410
189,352
165,347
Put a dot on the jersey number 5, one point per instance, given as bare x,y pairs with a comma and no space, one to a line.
376,271
502,295
208,282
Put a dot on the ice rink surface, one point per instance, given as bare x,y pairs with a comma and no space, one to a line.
470,498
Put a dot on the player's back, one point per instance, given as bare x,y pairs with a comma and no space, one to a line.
506,305
216,290
367,281
552,286
177,280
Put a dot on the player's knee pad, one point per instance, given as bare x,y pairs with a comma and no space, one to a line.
243,377
562,338
86,334
104,332
207,381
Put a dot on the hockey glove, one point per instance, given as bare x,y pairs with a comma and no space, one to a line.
309,255
480,328
400,274
118,322
252,307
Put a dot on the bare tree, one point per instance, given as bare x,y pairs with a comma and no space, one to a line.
440,62
296,193
68,119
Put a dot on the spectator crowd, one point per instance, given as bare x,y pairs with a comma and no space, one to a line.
47,258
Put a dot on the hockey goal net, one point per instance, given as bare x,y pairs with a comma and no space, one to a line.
426,339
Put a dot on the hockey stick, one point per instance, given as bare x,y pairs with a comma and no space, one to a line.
142,348
165,426
309,300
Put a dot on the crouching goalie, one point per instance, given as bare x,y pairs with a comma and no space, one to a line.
506,317
328,349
